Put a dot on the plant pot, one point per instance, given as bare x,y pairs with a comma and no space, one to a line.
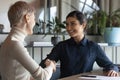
55,40
112,36
1,28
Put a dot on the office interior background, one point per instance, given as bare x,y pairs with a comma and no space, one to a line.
49,9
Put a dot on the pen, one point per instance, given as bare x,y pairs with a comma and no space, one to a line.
93,76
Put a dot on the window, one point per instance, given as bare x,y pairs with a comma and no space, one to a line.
61,8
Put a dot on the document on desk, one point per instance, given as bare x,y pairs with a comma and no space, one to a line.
42,44
97,77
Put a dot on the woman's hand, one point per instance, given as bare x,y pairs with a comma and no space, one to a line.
31,78
51,63
112,73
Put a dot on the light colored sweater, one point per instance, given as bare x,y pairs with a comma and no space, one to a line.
15,61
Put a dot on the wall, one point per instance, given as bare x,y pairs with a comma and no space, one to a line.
4,6
106,6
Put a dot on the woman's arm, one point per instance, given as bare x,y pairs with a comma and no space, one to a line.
109,68
21,54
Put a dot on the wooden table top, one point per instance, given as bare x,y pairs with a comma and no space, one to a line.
76,77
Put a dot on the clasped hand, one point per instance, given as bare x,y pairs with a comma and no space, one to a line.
49,62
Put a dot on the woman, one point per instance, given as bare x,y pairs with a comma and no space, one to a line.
78,54
15,61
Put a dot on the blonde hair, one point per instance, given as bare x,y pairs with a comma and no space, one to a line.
17,11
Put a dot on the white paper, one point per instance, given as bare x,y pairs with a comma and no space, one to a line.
108,78
88,78
103,44
99,78
42,44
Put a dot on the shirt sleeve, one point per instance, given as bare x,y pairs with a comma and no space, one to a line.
21,54
103,61
55,53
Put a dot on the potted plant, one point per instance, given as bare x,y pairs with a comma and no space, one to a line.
112,30
38,29
108,25
97,22
56,28
1,28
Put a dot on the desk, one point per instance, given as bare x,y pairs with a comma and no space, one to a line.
75,77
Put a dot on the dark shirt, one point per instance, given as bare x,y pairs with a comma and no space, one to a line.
78,58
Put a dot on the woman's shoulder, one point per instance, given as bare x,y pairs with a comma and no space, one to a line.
64,42
16,44
92,43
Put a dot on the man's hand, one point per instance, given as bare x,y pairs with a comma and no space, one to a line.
111,73
51,63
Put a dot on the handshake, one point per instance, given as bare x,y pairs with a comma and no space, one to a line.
51,63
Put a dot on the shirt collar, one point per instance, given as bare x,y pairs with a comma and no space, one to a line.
82,42
17,34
